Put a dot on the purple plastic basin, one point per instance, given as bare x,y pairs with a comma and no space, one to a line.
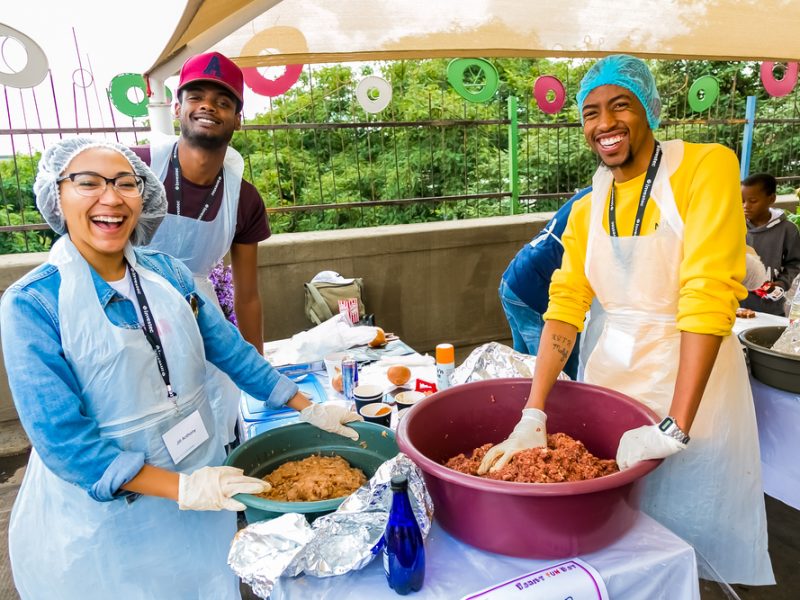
531,520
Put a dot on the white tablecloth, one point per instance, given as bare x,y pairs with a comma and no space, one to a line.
760,320
778,416
648,562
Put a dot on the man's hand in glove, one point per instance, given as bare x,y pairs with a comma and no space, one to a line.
213,488
644,443
331,417
530,432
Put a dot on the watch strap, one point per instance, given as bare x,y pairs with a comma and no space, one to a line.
669,427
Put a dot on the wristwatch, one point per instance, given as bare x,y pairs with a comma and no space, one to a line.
669,427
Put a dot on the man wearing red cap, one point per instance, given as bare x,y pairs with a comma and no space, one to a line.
211,209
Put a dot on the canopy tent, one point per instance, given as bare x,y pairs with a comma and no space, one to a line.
281,32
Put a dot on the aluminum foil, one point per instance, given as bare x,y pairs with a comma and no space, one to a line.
343,541
261,552
493,361
789,342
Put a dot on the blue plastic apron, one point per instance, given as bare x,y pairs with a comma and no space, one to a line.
62,543
200,245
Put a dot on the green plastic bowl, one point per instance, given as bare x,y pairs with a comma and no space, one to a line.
267,451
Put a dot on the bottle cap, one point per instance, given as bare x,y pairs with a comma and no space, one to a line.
399,483
445,353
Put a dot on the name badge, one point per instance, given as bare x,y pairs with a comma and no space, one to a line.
573,579
185,437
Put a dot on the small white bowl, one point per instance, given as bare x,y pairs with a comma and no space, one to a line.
405,399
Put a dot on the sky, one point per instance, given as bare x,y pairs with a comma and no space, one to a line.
113,37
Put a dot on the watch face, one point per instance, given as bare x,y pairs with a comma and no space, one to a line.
666,424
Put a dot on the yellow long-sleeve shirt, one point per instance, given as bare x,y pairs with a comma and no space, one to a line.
709,200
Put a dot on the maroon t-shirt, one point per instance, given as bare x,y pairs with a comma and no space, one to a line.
252,225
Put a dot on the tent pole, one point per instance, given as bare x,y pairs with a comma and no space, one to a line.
159,108
747,141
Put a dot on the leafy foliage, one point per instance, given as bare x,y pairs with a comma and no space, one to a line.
431,155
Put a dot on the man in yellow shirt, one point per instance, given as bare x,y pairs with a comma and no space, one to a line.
660,243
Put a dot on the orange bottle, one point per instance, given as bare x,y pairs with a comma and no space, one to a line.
445,364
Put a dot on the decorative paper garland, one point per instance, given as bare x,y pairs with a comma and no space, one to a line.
35,69
118,93
545,84
369,83
710,88
778,87
455,75
264,40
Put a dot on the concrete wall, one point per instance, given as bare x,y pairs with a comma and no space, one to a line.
428,283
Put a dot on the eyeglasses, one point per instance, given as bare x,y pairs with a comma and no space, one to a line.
92,185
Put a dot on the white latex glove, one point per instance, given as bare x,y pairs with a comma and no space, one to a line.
530,432
331,417
755,272
213,488
644,443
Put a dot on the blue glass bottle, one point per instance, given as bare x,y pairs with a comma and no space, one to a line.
403,551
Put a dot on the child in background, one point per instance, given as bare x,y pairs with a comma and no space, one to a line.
775,239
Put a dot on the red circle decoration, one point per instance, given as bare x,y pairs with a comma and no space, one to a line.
545,84
778,87
271,87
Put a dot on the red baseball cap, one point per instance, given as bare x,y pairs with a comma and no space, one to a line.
216,68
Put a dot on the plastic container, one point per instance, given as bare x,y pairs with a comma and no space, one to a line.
445,365
531,520
267,451
775,369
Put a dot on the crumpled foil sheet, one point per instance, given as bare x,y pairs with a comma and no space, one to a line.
493,361
342,541
789,342
262,551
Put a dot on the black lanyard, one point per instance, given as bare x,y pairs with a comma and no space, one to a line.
150,331
647,187
176,165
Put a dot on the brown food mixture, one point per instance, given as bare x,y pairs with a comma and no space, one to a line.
564,459
313,478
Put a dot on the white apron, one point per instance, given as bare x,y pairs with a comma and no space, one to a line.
200,245
65,545
710,494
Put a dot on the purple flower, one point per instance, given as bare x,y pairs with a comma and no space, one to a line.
222,278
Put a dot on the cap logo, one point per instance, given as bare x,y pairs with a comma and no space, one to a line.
213,68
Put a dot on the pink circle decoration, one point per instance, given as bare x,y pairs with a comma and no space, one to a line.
545,84
271,87
778,87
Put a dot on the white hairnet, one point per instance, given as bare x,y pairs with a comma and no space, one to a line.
56,158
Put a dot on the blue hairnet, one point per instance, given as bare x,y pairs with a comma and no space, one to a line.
56,158
628,72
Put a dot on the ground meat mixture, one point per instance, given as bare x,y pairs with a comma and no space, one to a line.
564,459
313,478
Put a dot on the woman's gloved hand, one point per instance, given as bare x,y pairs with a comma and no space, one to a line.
331,417
530,432
213,488
644,443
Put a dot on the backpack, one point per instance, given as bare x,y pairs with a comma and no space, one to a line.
322,298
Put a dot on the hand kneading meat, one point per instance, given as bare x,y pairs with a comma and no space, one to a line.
564,459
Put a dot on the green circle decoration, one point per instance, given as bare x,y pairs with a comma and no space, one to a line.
710,88
118,92
455,76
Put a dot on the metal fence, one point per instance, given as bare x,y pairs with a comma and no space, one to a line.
321,162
